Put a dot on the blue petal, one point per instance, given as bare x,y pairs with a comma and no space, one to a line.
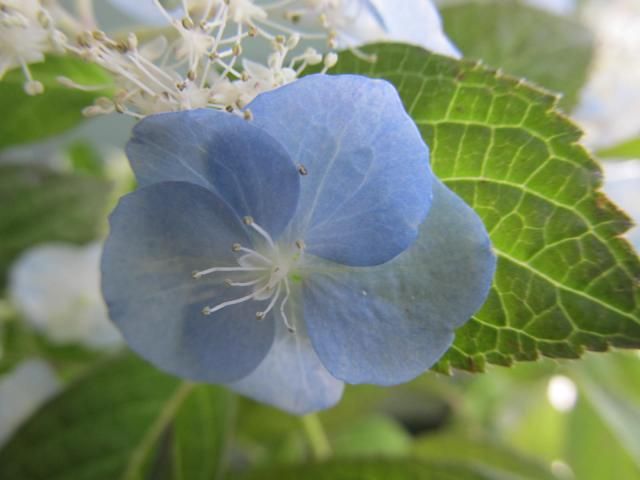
159,235
368,183
221,152
291,376
387,324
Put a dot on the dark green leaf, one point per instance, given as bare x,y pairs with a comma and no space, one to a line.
31,118
39,205
566,281
107,426
405,469
374,435
550,50
483,454
201,433
18,342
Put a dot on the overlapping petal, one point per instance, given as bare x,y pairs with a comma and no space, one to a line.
159,235
367,187
373,261
387,324
223,153
291,376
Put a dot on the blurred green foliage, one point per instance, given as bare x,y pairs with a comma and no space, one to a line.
552,51
120,418
58,109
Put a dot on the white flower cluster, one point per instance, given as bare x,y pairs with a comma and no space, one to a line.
206,53
196,60
26,33
200,62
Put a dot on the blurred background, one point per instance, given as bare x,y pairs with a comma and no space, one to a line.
547,419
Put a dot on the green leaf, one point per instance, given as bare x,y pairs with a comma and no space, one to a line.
18,342
201,432
553,51
85,158
39,205
594,451
31,118
629,149
405,469
107,425
611,398
483,454
566,282
374,435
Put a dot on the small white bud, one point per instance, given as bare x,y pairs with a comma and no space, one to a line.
92,111
132,40
292,41
33,87
312,57
330,60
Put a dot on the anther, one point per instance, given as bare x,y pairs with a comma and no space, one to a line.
330,60
302,170
236,247
260,315
33,87
206,311
228,282
300,244
248,220
248,115
196,274
122,46
191,75
187,23
229,108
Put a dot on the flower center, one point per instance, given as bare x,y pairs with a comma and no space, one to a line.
268,274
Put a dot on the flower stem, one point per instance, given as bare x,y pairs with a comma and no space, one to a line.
316,436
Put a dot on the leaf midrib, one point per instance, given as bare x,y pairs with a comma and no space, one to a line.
155,430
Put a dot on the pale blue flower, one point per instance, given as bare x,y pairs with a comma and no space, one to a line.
284,256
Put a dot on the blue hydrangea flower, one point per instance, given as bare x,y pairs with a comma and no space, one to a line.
284,256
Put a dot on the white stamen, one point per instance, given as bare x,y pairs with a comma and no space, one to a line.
274,299
231,283
253,252
220,306
290,327
263,232
270,284
198,274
